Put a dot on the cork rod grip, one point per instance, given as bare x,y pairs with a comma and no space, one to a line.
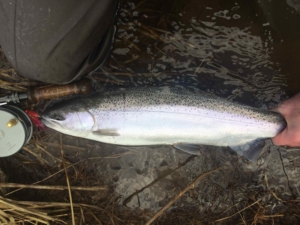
82,87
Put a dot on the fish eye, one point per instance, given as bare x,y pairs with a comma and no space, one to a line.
58,117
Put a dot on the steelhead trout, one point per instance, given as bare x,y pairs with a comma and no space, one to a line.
153,116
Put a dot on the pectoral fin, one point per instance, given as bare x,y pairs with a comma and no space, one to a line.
251,150
188,148
106,132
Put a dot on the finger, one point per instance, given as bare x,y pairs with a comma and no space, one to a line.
284,108
274,109
286,138
297,97
282,139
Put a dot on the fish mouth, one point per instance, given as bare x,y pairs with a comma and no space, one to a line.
48,122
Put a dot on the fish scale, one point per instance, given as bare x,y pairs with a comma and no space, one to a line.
165,116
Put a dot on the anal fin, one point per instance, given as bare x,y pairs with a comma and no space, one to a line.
251,150
188,148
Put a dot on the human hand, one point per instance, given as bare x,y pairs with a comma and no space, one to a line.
290,109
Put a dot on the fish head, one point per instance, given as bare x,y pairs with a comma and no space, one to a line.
73,119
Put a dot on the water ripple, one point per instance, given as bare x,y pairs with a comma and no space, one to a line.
202,54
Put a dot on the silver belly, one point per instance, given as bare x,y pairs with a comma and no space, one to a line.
155,128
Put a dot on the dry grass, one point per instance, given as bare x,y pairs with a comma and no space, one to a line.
14,212
178,196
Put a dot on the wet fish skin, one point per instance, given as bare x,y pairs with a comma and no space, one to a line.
154,116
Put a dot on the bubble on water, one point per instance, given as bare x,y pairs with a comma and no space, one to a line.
236,16
131,4
235,8
222,14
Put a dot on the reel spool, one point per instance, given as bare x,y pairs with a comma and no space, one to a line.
15,130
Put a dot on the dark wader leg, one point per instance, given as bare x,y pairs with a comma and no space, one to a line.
56,41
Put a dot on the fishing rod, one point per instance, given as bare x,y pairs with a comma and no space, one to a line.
81,87
16,125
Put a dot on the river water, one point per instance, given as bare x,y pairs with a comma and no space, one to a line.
247,51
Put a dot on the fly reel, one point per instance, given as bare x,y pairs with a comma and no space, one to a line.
15,130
